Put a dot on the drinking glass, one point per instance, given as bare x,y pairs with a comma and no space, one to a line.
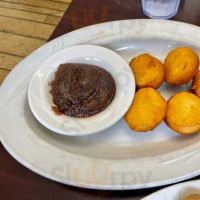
160,9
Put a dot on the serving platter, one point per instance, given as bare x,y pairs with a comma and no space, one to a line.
116,158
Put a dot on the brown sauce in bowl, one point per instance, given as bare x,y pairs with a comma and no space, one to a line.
82,90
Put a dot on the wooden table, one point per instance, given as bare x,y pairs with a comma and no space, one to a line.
19,183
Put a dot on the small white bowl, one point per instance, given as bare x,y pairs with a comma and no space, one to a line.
40,100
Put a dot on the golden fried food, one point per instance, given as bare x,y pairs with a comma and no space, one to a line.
181,65
147,110
193,197
196,84
148,71
183,113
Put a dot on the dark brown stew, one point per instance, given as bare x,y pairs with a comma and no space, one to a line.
81,90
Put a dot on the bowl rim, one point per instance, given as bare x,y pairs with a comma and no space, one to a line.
116,118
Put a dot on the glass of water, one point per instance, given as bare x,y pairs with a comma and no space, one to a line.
160,9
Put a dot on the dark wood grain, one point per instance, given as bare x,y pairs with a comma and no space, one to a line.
19,183
83,13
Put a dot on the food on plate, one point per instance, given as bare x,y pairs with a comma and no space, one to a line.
147,110
196,84
183,113
82,90
193,197
148,71
181,65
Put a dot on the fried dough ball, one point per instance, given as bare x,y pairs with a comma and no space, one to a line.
181,65
147,110
183,113
148,71
196,84
193,197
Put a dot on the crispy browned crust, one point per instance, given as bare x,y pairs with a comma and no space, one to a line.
181,66
147,110
183,113
148,71
196,84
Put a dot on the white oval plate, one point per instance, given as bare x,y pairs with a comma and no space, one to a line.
116,158
176,192
41,102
